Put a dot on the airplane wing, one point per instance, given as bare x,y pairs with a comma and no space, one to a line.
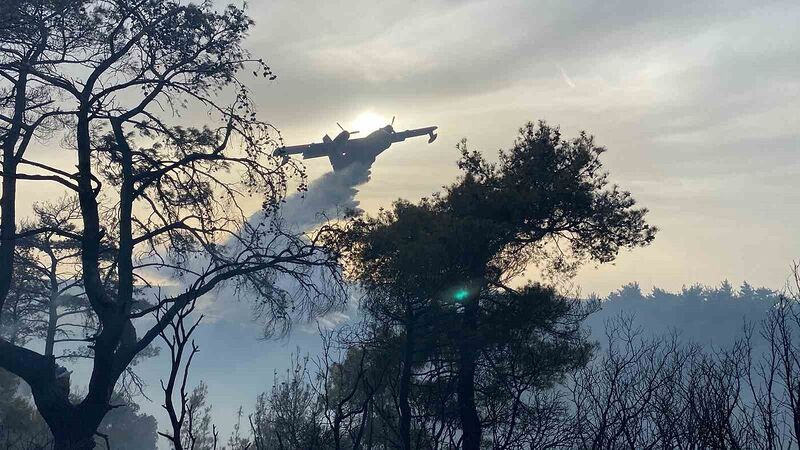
315,150
403,135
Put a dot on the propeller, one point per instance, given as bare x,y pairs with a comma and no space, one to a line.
392,124
342,128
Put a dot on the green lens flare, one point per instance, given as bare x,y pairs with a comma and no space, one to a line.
461,295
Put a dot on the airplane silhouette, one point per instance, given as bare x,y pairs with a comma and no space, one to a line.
343,151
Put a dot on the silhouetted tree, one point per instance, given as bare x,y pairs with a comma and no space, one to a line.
451,262
327,405
22,428
397,258
648,390
291,415
777,392
47,272
34,36
153,196
198,432
614,398
346,381
189,416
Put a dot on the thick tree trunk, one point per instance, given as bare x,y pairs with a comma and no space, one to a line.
74,441
73,426
405,384
468,353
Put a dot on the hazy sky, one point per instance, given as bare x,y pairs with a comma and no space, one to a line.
697,103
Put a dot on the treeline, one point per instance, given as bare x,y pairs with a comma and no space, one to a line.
707,315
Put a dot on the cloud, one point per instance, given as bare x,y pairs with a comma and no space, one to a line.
566,77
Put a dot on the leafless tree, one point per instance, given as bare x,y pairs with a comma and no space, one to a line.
347,379
614,396
188,416
290,416
663,393
773,374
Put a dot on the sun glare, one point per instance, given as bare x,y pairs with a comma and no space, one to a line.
368,122
461,295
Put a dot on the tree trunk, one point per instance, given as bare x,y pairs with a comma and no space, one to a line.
337,430
73,426
8,197
52,324
405,383
74,441
468,352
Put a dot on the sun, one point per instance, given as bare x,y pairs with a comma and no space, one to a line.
367,122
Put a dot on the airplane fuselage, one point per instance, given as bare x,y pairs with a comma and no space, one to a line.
361,151
343,151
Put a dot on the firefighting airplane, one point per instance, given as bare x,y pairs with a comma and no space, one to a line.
343,151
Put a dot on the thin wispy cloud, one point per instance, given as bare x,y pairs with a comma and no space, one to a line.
566,77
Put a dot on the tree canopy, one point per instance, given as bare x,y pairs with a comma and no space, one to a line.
446,272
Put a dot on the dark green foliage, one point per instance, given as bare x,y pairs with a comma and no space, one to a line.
547,201
537,329
443,275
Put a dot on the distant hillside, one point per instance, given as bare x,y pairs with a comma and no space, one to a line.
711,316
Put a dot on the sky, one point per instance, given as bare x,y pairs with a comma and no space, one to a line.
698,104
